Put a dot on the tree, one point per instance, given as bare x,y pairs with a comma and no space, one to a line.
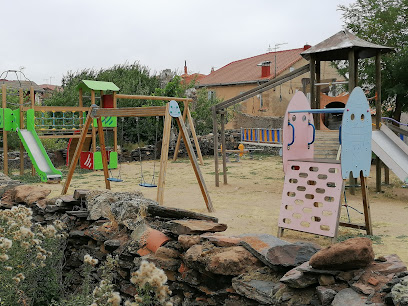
202,113
384,22
131,79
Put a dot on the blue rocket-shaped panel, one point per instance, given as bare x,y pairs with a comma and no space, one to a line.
356,136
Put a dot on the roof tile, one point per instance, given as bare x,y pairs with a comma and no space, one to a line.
246,70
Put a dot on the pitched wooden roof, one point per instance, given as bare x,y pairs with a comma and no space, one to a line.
337,47
247,71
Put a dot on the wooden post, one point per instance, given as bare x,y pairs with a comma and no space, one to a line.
215,133
312,81
5,145
366,204
32,98
223,151
21,98
77,153
378,116
352,84
193,132
318,90
115,129
187,116
194,163
81,104
177,147
103,152
386,174
93,127
164,155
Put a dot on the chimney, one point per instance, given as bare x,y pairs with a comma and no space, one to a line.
185,67
266,68
305,47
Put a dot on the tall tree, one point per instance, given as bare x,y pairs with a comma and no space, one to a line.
384,22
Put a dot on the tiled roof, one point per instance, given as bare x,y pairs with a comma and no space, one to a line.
187,78
247,71
25,85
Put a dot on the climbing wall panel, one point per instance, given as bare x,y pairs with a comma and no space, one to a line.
311,197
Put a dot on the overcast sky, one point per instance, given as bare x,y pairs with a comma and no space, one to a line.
50,37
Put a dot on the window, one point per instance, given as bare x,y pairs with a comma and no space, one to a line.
261,104
211,95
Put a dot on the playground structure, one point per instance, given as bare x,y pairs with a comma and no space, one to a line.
341,46
56,122
22,121
171,110
311,197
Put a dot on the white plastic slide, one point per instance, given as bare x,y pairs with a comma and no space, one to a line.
392,151
38,156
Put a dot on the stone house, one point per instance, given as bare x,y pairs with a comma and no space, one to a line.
245,74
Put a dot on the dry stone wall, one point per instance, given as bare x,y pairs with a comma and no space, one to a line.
206,267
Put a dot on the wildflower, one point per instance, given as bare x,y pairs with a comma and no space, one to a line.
90,261
114,299
4,257
8,268
5,243
16,279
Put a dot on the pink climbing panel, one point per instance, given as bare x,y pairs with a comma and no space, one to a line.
311,197
303,132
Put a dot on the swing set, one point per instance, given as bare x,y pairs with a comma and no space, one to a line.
170,111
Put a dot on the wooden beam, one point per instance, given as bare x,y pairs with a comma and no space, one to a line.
312,81
366,204
93,103
56,108
81,104
318,90
194,163
193,132
130,112
5,145
21,98
164,155
32,98
115,129
103,152
177,147
77,153
352,70
215,133
224,154
139,97
264,87
61,136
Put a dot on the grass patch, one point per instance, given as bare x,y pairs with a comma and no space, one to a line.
374,238
402,237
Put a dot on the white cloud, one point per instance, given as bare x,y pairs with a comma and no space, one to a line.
50,37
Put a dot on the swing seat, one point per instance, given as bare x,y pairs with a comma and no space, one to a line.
114,179
147,185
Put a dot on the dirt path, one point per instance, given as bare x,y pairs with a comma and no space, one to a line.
250,202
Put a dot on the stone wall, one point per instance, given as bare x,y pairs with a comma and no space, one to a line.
205,267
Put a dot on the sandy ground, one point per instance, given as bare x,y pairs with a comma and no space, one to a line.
251,200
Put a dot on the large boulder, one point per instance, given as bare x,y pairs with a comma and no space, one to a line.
351,254
29,194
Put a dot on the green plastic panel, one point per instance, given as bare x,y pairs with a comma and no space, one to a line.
107,122
8,119
113,161
1,118
15,120
30,120
97,85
